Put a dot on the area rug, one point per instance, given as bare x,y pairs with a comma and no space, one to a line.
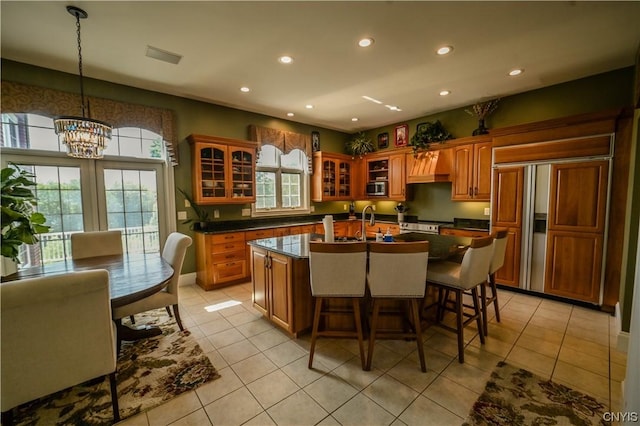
514,396
150,372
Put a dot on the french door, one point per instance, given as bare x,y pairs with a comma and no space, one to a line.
90,195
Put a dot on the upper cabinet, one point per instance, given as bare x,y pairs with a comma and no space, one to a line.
388,170
223,170
472,172
334,177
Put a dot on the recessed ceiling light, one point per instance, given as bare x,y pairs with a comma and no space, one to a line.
354,119
290,114
309,106
515,72
445,92
444,50
285,59
393,108
245,89
372,100
365,42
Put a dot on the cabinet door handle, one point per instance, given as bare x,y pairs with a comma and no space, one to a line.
475,191
471,191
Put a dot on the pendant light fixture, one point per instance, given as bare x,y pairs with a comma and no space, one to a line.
84,137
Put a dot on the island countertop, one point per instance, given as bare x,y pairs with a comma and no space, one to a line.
297,246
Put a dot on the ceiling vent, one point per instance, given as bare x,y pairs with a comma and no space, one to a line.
163,55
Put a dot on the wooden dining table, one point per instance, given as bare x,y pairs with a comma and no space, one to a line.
132,277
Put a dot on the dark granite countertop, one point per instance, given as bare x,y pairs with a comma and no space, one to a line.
468,224
266,223
297,246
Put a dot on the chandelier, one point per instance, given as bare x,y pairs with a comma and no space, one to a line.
83,136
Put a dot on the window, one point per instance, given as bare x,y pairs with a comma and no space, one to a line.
77,195
281,182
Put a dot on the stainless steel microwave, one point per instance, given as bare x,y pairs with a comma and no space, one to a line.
377,188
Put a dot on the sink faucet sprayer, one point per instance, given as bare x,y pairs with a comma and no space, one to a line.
372,221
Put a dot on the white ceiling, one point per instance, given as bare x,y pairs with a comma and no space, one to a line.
226,45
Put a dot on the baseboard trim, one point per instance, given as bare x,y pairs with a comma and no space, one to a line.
187,279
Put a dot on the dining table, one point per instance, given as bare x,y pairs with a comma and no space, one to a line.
132,277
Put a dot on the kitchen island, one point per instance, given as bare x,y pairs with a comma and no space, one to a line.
281,280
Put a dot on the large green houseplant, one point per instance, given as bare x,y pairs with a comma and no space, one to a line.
360,145
21,224
427,133
201,212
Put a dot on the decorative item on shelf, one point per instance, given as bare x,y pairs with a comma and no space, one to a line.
401,209
352,210
21,224
203,215
383,140
360,145
315,141
401,135
482,110
427,133
84,137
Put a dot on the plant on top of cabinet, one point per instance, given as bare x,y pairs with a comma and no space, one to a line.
360,145
482,110
426,133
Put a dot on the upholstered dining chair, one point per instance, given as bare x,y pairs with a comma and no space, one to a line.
458,278
497,260
57,332
337,270
398,271
97,243
174,251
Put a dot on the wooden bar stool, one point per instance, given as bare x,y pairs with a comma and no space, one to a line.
398,271
338,270
497,260
458,278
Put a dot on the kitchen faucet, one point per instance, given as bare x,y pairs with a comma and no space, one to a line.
372,221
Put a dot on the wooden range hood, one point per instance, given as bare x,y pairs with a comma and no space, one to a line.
429,166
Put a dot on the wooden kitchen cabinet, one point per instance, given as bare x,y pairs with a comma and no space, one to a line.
333,177
506,213
390,169
463,232
471,172
220,259
281,290
223,170
575,236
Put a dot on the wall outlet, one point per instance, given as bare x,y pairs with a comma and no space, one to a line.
312,208
374,207
182,215
344,207
487,211
187,203
246,212
216,214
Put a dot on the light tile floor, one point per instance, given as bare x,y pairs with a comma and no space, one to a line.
265,379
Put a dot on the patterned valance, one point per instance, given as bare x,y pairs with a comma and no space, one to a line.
284,140
22,98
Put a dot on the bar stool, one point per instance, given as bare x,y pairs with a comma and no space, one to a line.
398,271
497,260
337,270
458,278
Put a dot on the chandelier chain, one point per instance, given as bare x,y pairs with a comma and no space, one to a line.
80,63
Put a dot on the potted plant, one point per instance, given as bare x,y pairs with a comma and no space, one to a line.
360,145
427,133
21,224
482,110
203,215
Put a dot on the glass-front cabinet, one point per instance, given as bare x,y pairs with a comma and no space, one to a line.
333,177
223,170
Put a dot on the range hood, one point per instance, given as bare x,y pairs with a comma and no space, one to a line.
430,166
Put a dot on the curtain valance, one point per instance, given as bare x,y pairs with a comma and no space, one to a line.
284,140
22,98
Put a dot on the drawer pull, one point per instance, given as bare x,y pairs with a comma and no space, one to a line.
230,256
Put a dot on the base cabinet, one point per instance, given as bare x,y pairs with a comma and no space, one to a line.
281,290
220,259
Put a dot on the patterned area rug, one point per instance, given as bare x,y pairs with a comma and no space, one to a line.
514,396
150,372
